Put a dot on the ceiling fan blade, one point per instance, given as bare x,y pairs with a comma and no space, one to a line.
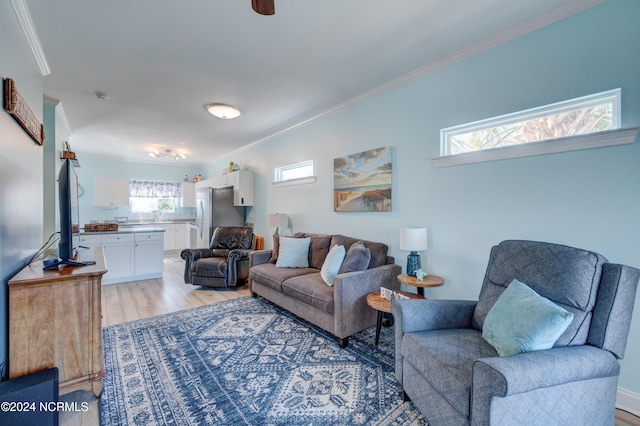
264,7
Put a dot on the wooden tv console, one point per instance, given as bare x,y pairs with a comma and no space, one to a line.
55,320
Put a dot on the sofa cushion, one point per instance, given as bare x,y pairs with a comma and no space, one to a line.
332,264
378,250
445,359
310,289
293,253
320,244
356,259
521,321
267,274
214,267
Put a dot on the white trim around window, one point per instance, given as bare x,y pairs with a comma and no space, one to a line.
294,174
571,143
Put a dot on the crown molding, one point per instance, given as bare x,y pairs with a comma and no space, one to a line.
24,17
566,10
63,118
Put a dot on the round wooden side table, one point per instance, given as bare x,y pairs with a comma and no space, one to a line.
427,281
382,305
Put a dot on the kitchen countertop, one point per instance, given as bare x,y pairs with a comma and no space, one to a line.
127,230
159,222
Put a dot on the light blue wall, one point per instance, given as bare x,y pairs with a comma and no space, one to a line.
20,167
588,199
95,167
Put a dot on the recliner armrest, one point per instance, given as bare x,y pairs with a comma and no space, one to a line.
510,375
195,254
539,369
426,314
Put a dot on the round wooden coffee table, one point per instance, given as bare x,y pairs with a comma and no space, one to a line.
382,305
427,281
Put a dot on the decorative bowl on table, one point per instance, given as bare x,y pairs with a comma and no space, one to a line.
121,219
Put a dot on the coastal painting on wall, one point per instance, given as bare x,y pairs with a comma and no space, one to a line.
362,182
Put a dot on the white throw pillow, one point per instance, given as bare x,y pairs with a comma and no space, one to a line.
293,253
332,264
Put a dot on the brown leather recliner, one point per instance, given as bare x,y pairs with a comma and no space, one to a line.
225,263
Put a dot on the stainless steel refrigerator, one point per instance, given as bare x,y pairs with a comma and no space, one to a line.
215,208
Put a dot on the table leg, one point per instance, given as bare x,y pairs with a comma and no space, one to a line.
421,291
378,326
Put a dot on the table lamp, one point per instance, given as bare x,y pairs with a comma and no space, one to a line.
277,220
413,240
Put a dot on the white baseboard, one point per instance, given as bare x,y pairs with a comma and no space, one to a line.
628,401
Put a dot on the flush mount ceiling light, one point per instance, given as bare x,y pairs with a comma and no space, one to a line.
224,111
167,153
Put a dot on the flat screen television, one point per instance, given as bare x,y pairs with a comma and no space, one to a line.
69,211
69,217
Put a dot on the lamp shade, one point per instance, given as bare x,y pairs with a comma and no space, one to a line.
277,220
413,239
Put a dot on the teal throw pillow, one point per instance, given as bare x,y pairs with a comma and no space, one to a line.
332,264
522,321
293,253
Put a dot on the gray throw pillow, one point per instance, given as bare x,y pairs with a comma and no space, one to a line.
357,258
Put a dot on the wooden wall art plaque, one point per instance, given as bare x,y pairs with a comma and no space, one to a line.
16,106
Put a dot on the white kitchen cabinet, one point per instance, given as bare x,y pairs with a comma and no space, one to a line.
243,188
241,181
169,235
188,194
110,192
226,180
89,241
182,236
119,258
149,255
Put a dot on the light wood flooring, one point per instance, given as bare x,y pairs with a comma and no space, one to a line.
142,299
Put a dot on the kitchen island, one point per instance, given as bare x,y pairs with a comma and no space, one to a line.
131,253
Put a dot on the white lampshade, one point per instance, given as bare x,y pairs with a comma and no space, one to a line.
413,239
277,220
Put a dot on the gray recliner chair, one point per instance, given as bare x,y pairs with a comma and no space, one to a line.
454,377
225,263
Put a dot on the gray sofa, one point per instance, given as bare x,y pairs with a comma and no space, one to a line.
455,377
341,309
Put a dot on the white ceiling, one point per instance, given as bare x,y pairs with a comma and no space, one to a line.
161,61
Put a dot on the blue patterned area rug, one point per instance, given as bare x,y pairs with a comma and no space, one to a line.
247,362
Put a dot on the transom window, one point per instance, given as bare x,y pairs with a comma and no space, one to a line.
294,171
580,116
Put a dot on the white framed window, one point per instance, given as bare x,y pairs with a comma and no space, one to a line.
152,196
152,205
568,122
293,174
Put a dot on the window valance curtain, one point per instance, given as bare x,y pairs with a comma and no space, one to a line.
151,189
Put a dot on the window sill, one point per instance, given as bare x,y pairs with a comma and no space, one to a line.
299,181
552,146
